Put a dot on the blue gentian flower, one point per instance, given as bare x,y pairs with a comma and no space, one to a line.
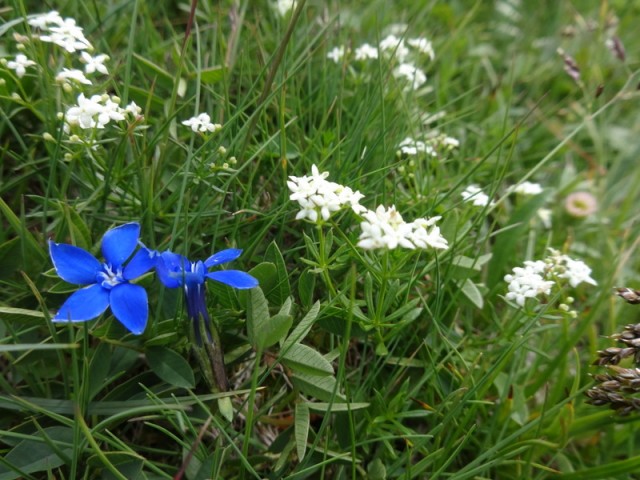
108,283
178,271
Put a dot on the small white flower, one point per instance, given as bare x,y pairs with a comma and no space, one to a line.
202,123
394,45
43,20
366,52
284,6
94,112
20,64
385,228
576,272
422,45
94,64
320,198
67,35
545,215
475,195
133,109
409,146
67,75
336,54
528,188
413,74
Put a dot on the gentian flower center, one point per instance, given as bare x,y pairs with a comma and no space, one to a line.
108,278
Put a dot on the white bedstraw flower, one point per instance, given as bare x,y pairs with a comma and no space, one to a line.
94,64
67,75
423,46
409,146
526,283
395,46
336,54
320,198
475,195
528,188
284,6
20,64
576,271
366,52
202,123
43,20
94,112
385,228
67,35
413,74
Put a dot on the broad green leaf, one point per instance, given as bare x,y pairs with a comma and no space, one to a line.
127,463
301,429
302,329
32,456
267,276
470,290
210,75
376,470
301,358
315,386
306,285
263,330
273,330
282,289
170,367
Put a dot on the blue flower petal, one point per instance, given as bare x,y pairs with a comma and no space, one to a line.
223,256
84,304
143,261
74,264
119,243
130,306
234,278
170,268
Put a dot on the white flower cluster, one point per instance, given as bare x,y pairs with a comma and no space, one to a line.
392,47
319,198
385,228
202,123
284,6
61,31
97,111
540,276
474,194
528,188
412,147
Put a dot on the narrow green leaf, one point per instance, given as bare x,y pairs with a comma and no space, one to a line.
336,407
37,346
302,329
210,75
301,358
170,367
301,429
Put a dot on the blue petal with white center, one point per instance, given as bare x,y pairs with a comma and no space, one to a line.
74,264
108,284
119,243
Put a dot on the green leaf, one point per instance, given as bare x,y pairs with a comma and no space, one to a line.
336,407
302,329
301,358
301,429
306,285
31,456
267,276
282,289
376,470
210,75
170,367
319,387
470,290
263,330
